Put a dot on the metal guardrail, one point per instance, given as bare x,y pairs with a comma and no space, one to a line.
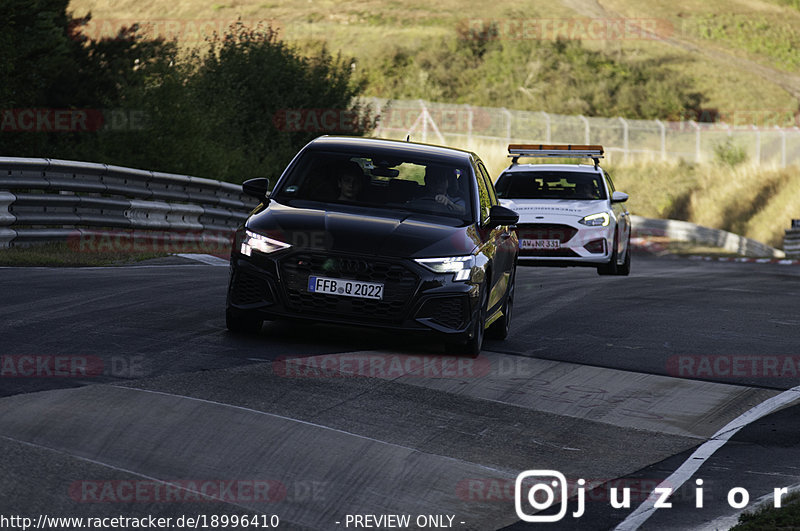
51,200
791,240
690,232
44,200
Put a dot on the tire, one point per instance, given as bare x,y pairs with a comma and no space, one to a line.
499,328
611,268
240,322
625,269
472,347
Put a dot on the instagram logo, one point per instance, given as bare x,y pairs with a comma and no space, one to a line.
541,488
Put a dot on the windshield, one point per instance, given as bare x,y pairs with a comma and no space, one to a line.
379,181
550,185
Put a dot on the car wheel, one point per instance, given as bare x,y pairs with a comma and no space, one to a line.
472,347
499,328
625,269
611,267
240,322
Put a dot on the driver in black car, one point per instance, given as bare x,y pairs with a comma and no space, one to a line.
437,185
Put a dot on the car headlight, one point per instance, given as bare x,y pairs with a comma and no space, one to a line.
596,220
256,242
460,265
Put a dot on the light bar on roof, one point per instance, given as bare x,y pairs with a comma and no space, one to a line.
594,151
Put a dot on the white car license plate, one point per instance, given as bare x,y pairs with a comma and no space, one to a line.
347,288
540,244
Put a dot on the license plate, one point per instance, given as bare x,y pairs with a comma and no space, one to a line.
346,288
540,244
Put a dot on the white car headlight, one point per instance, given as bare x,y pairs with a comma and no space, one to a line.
256,242
460,265
596,220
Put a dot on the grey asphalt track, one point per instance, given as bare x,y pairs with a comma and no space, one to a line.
136,383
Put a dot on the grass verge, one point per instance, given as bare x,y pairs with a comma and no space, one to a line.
61,255
768,517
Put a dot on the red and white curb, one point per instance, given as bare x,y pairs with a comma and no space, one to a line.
746,260
661,249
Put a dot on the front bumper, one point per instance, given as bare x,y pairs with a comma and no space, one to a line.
578,244
415,299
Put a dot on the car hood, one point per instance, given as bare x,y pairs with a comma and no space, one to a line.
536,209
364,231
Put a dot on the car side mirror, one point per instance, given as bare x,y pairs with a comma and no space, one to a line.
500,215
619,197
257,188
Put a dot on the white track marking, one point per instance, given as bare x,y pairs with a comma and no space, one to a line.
206,259
704,452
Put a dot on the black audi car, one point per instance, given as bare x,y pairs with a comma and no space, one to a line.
381,233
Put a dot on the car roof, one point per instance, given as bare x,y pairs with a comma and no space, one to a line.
581,168
388,147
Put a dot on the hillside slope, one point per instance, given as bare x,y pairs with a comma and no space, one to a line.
743,56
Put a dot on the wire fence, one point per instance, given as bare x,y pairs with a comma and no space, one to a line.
776,138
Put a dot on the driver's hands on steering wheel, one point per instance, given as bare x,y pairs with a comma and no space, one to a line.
443,199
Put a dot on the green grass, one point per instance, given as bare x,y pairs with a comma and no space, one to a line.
378,33
768,37
787,517
62,255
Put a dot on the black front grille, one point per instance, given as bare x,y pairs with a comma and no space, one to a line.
450,312
545,231
399,286
249,289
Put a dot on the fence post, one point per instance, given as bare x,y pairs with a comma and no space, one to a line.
469,125
663,139
783,145
547,127
758,143
586,135
696,140
424,115
508,125
624,137
379,113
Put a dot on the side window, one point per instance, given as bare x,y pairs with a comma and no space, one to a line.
483,195
489,185
609,182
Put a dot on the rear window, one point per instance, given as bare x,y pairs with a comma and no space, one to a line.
550,185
